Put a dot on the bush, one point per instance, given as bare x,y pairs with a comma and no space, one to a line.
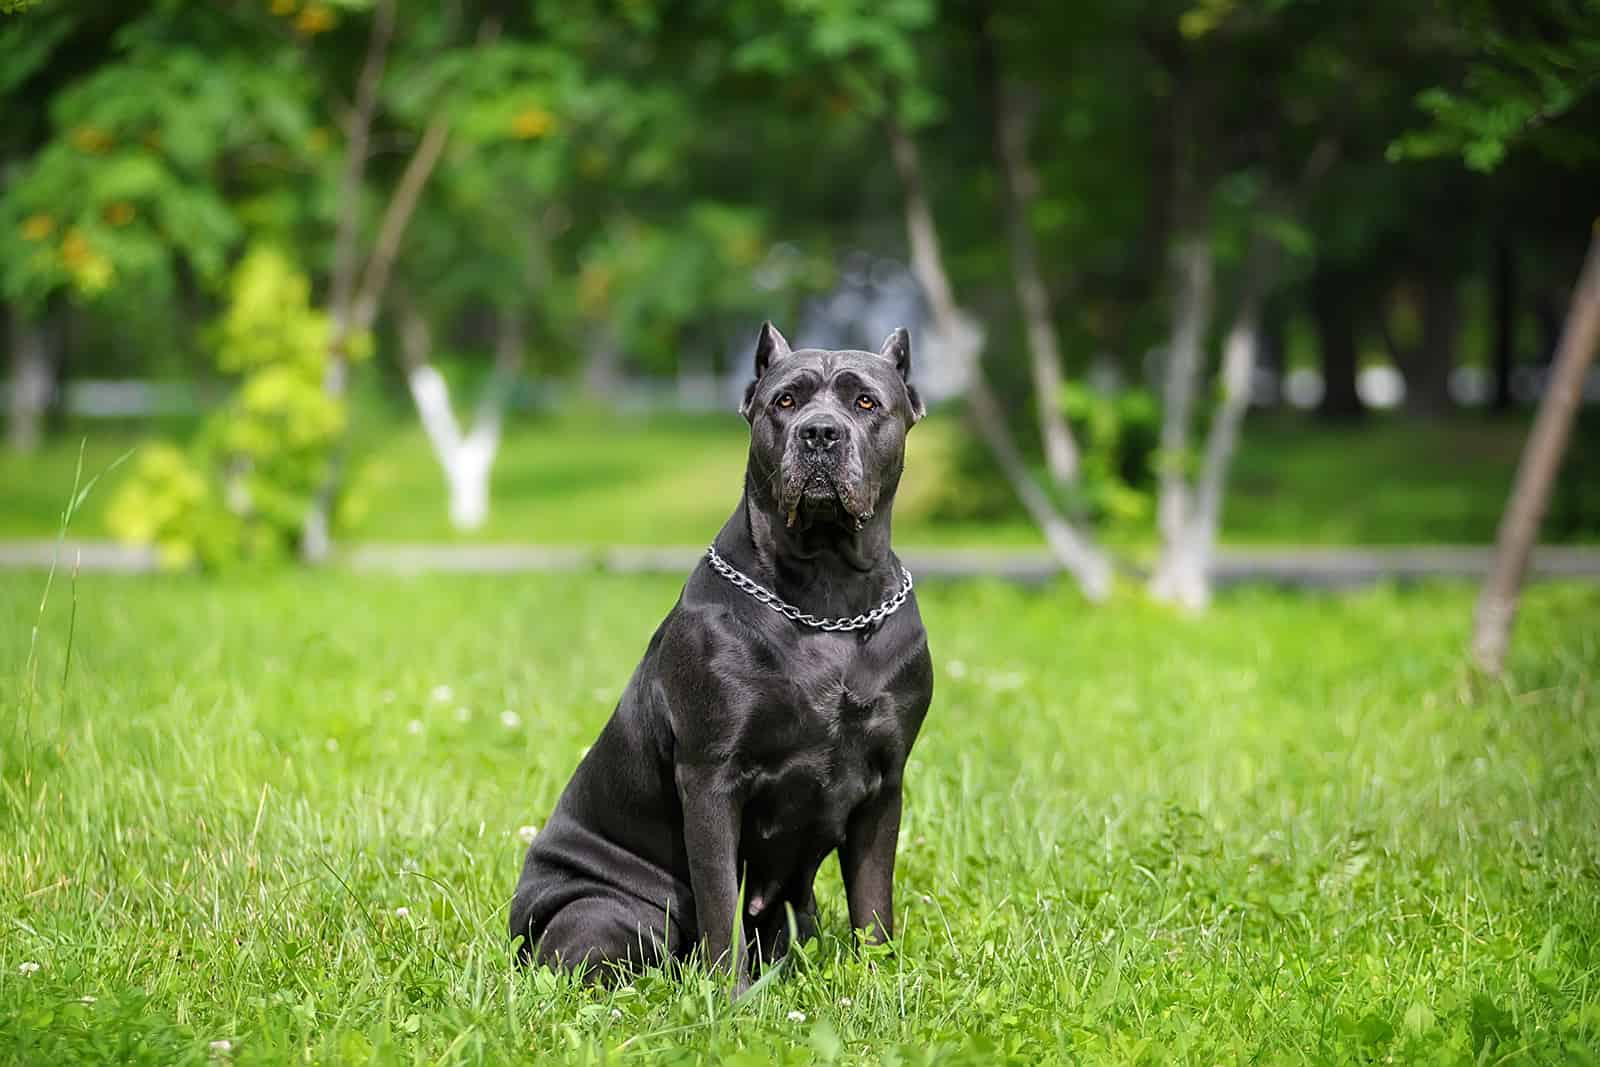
1117,433
241,492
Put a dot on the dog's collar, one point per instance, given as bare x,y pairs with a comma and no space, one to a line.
740,580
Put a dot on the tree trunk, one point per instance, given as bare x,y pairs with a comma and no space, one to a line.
466,459
1181,571
602,363
1427,371
1505,323
1193,298
1076,552
347,227
1184,575
33,383
353,310
1019,186
1270,355
1541,460
1189,514
1335,319
316,540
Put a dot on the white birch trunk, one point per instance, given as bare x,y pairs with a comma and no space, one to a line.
1173,579
1186,570
1075,551
466,459
1190,514
1020,187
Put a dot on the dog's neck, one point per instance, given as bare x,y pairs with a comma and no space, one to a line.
821,567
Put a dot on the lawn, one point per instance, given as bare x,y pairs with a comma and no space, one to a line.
283,812
672,480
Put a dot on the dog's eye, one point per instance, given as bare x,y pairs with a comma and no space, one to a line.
786,400
865,402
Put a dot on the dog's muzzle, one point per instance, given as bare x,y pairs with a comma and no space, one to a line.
822,469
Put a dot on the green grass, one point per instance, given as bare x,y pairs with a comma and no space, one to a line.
1294,830
672,480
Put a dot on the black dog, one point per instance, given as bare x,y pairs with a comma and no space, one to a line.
757,735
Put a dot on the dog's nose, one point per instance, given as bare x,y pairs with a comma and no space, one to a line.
819,435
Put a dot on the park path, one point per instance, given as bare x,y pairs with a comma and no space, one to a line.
1302,567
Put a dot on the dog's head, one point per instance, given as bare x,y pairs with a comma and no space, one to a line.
828,428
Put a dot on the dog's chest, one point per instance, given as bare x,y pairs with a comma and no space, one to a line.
818,760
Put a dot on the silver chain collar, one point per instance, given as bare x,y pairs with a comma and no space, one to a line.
760,592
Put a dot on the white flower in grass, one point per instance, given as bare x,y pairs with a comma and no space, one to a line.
222,1046
956,669
797,1016
442,694
616,1013
28,968
510,719
331,744
527,833
414,726
86,1000
926,899
463,714
844,1002
402,912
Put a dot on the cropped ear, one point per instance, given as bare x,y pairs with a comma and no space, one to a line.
897,350
770,348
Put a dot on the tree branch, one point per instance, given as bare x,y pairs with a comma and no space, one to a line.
402,205
346,239
1019,186
1076,553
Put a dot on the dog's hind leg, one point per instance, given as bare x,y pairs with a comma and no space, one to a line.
601,934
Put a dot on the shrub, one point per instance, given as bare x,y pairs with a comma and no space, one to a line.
240,492
1117,433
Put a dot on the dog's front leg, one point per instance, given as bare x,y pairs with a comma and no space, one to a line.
711,814
867,863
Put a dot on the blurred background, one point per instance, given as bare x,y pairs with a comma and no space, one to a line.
308,276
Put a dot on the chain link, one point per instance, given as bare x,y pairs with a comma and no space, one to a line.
860,622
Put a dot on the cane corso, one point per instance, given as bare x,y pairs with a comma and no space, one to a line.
770,719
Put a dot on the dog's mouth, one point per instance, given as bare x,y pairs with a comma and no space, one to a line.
815,493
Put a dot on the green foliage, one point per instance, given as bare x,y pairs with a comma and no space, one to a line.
169,503
126,190
862,56
1291,832
242,492
647,282
1530,66
1117,435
